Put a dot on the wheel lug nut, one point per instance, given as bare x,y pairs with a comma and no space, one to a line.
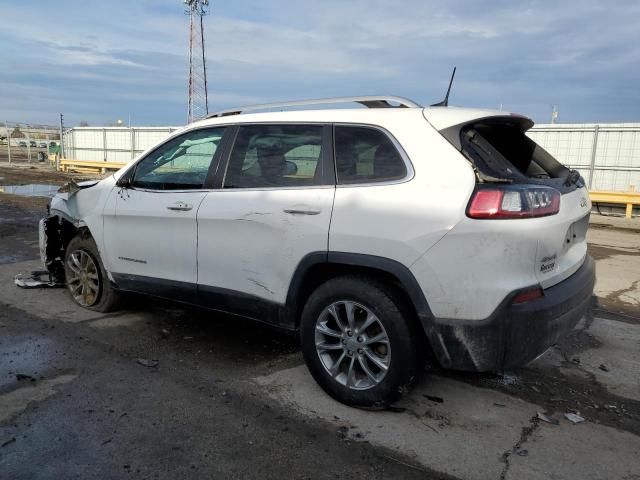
349,352
360,351
350,333
360,339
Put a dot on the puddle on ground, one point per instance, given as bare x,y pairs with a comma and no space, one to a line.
31,190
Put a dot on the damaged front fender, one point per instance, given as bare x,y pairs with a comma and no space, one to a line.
72,187
55,233
77,206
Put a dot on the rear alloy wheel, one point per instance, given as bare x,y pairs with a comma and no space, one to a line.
352,345
86,278
358,342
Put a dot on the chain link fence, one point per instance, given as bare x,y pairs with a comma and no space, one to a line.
23,142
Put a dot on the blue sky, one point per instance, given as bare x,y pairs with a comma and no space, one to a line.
98,61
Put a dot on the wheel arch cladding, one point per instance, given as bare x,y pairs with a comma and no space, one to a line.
318,267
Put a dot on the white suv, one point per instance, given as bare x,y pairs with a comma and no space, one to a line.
380,234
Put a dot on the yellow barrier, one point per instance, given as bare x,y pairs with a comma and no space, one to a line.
629,199
89,167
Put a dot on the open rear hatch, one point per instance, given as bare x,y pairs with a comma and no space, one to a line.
503,155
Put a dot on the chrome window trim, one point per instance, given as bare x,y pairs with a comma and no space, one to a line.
403,154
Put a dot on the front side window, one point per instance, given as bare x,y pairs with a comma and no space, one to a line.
365,154
276,156
181,163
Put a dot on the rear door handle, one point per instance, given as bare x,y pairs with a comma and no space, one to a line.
301,211
180,207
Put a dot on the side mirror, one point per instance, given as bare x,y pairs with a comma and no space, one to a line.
124,182
290,168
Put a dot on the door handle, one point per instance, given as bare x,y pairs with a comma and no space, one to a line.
180,207
301,211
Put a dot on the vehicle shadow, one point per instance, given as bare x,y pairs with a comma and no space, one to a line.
208,331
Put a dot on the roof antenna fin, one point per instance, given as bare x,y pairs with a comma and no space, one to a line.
445,102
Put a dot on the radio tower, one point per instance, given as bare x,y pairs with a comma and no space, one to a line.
198,103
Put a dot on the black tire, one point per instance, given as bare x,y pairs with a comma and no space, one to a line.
405,358
107,299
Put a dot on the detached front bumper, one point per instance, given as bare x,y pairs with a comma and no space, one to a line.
514,334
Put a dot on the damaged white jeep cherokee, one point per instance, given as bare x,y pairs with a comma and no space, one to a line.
380,234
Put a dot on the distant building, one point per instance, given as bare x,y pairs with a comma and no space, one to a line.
16,133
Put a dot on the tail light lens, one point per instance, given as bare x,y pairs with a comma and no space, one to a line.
528,295
513,201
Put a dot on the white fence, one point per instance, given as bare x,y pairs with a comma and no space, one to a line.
111,144
607,155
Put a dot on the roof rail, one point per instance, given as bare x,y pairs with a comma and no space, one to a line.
367,101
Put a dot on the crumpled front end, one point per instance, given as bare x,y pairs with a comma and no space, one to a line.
54,234
75,206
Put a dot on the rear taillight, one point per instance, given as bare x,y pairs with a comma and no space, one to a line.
528,295
513,201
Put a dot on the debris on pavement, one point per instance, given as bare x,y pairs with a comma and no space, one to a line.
8,442
573,417
603,367
147,362
342,432
36,279
547,419
21,377
433,398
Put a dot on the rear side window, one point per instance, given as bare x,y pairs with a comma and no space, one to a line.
365,154
276,156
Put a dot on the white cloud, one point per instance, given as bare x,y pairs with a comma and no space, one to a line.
526,52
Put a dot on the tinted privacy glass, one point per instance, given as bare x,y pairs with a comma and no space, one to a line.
180,164
365,154
276,156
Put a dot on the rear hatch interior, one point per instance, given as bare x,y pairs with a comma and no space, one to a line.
500,151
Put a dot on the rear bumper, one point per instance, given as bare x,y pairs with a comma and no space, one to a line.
514,334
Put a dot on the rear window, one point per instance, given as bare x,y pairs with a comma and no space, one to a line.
365,154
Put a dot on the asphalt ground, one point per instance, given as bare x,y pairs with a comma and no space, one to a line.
158,390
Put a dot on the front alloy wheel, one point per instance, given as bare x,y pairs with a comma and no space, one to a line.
87,280
83,279
353,345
